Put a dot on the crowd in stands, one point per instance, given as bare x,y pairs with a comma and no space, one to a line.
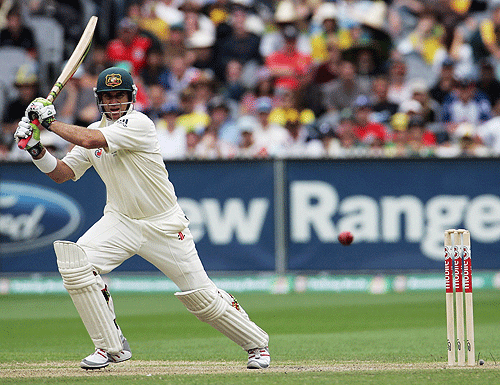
232,79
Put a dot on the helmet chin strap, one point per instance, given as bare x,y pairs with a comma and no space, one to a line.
108,114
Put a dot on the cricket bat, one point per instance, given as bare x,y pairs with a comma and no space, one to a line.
76,58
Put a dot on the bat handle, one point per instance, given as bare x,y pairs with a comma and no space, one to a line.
24,142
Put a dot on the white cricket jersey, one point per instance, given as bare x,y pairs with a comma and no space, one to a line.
131,167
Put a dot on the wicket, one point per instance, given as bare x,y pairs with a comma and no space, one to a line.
458,280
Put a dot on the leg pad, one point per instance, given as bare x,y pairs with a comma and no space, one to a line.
82,284
212,307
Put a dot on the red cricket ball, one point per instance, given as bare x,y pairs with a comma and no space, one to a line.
346,238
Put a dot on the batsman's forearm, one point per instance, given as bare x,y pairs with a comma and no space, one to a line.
81,136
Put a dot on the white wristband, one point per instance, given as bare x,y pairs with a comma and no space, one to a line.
46,163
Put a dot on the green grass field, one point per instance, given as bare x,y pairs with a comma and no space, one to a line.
315,339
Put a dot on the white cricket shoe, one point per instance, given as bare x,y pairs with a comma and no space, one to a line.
97,360
123,355
100,358
259,358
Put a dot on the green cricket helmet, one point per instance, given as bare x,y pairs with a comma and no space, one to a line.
115,79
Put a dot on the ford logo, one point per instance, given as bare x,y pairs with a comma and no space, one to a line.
33,216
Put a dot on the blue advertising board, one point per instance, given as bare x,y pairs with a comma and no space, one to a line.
230,207
396,209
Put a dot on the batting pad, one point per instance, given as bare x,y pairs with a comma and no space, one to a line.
83,287
209,306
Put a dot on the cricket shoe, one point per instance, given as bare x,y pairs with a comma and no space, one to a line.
100,358
122,355
259,358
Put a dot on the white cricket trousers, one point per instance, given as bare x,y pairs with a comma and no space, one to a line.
164,240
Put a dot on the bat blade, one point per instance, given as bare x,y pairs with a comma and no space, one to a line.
74,61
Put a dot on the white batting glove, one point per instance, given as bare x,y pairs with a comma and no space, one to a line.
43,110
26,129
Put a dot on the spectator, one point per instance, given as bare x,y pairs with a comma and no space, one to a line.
168,11
325,19
234,88
149,23
446,82
397,147
297,144
218,12
331,144
221,122
329,69
485,41
76,103
351,147
189,118
349,12
264,87
455,47
342,92
192,141
200,47
467,104
171,136
366,60
194,20
374,34
175,44
421,141
489,131
240,45
27,85
274,41
411,108
5,7
326,72
270,136
155,71
5,153
68,14
466,143
157,101
487,82
203,85
383,109
370,133
129,46
430,108
399,89
288,66
248,148
180,76
211,147
16,34
265,84
286,102
426,39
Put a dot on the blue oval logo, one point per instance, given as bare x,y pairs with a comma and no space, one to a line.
34,216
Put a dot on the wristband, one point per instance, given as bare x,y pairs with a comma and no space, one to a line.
36,149
46,163
47,122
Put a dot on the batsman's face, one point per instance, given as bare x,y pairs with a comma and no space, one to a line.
115,103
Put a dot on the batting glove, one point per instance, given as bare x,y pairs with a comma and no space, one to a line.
26,129
43,110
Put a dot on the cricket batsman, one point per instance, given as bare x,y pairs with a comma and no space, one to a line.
141,217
